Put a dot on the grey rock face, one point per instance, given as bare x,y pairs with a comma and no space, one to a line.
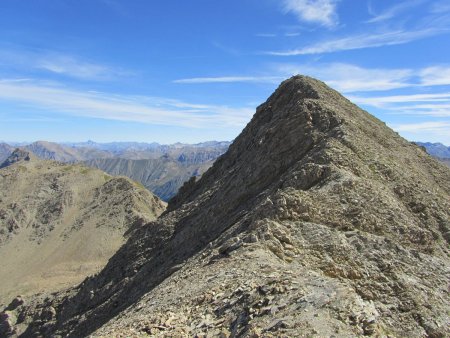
318,221
16,156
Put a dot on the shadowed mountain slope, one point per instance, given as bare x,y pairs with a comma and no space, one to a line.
436,149
319,220
60,223
163,176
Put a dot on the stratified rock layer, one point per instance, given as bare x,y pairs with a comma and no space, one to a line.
318,221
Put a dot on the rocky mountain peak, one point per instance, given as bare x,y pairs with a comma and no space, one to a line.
301,117
319,220
17,155
303,87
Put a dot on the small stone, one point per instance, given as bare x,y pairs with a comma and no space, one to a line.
231,245
15,303
224,334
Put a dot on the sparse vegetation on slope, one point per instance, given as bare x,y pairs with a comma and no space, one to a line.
60,223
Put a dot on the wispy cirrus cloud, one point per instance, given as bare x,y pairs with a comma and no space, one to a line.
151,110
70,66
361,41
421,127
266,35
231,79
439,7
437,75
385,101
60,64
341,76
347,78
395,25
275,35
344,77
322,12
428,131
392,11
434,105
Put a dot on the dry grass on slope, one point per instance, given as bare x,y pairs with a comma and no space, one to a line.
60,223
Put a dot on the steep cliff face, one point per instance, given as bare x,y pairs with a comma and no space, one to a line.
163,176
319,220
60,223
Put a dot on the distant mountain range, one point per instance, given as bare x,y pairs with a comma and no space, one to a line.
160,168
163,176
436,149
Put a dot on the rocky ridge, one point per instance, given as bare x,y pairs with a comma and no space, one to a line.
16,156
318,221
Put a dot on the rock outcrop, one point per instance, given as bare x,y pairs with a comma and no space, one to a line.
18,155
318,221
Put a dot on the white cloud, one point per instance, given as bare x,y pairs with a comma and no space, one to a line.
394,11
428,131
66,65
61,64
266,35
385,101
361,41
440,7
231,79
432,109
121,107
438,75
322,12
291,35
435,105
350,78
422,126
341,76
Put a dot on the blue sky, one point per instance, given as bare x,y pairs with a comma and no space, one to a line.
190,71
